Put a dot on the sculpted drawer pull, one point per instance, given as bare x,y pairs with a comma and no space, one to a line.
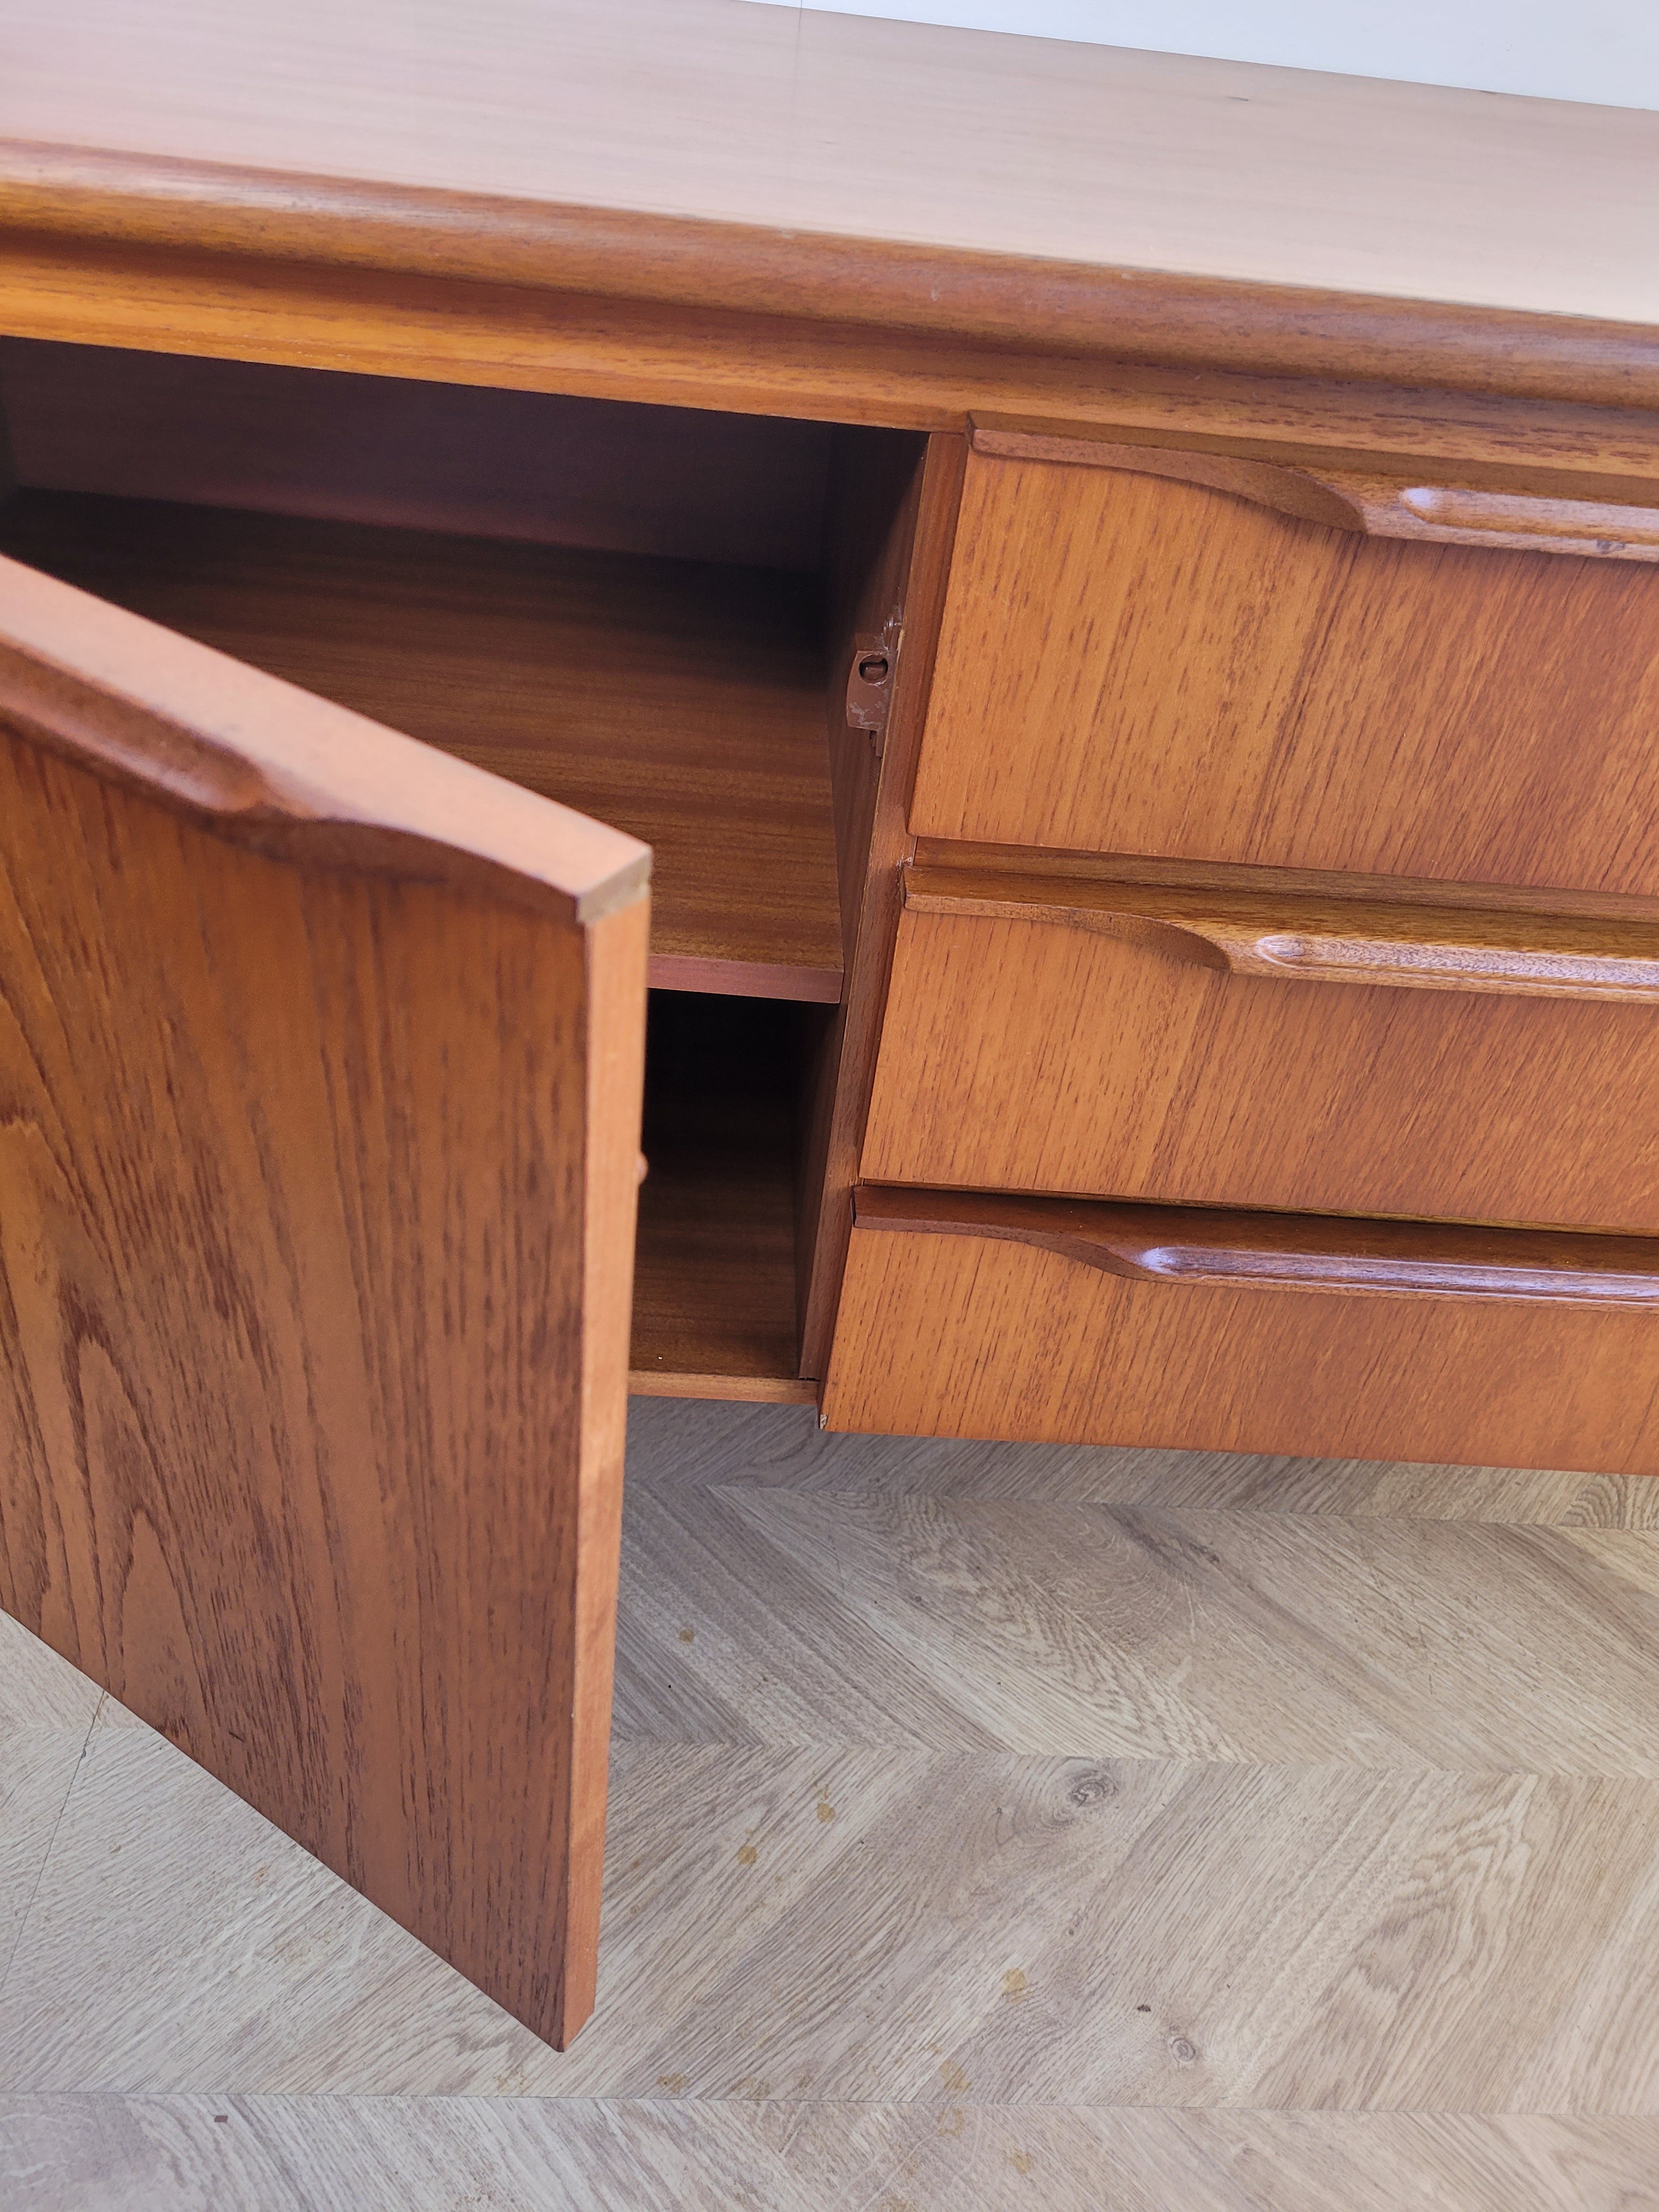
1309,939
1373,502
1288,1251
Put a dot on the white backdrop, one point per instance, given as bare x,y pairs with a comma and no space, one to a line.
1605,51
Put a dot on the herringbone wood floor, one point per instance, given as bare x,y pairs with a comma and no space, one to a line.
992,1826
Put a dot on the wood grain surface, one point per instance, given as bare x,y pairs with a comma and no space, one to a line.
1134,664
391,2154
979,1334
682,702
1073,194
914,549
321,1136
1324,1252
712,1445
1521,518
276,768
1322,935
715,1282
370,322
715,1271
1344,1772
1021,1053
687,483
871,547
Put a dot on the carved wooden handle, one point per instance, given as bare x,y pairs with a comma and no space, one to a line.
1289,1251
1307,938
1372,501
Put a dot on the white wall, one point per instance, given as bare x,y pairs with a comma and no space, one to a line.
1604,51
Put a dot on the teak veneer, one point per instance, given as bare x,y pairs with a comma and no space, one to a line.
266,1140
716,1290
683,702
1327,934
1256,1048
1121,594
1049,1321
1289,1251
1187,672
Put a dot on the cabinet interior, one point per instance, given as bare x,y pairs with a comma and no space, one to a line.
641,611
716,1263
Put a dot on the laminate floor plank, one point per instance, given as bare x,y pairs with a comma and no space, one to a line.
676,1443
38,1689
47,1713
1100,1829
37,1769
194,2153
766,1615
1136,1933
851,1923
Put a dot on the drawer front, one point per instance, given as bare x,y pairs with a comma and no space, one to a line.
957,1320
1136,665
1025,1048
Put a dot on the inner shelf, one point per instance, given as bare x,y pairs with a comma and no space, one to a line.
681,700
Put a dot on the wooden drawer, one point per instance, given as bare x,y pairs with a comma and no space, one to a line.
1134,663
1083,1323
1194,1047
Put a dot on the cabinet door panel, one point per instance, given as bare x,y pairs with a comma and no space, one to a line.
1132,665
320,1062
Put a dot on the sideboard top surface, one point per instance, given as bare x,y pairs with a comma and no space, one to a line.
1063,195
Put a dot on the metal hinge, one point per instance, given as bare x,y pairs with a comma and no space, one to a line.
870,675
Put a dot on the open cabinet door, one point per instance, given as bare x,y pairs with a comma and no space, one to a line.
320,1070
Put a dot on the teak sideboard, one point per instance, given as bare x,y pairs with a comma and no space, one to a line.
709,790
